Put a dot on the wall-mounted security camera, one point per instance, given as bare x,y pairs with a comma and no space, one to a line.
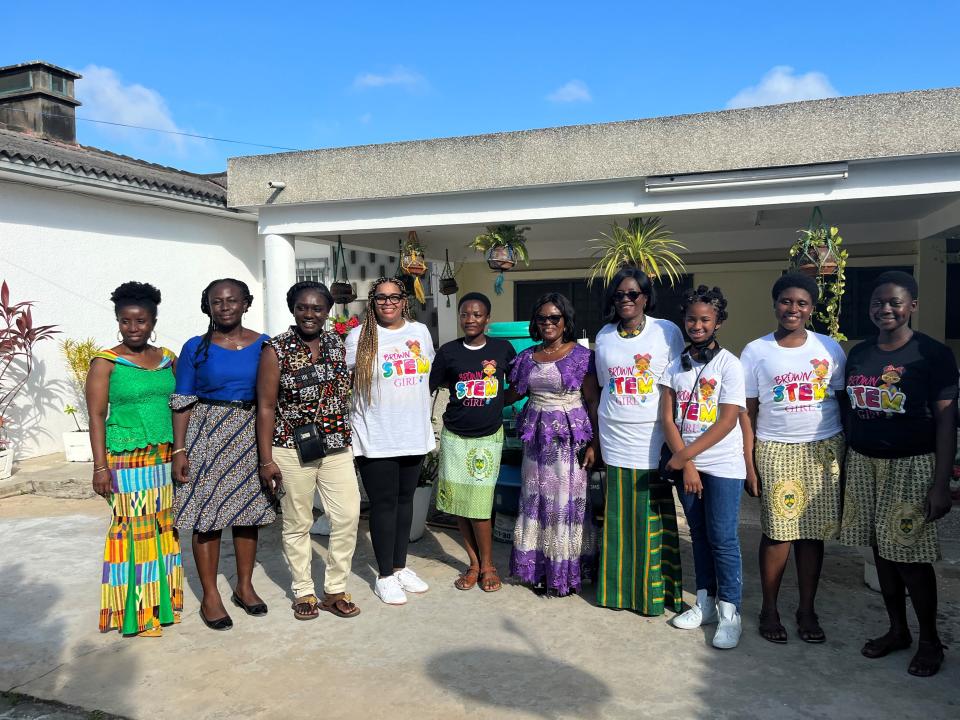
276,185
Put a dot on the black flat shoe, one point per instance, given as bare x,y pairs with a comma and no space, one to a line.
224,623
257,609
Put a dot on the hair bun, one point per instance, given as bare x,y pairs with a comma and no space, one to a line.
135,292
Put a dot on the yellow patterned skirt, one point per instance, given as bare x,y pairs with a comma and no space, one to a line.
142,582
883,506
800,488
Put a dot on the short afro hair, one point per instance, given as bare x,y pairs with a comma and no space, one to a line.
710,296
899,278
475,297
136,294
796,280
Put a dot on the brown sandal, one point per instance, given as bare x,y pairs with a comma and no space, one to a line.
490,580
339,604
305,608
467,579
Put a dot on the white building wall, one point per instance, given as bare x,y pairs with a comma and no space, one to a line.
68,251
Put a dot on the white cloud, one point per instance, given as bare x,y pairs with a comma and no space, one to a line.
399,76
573,91
366,118
106,97
783,85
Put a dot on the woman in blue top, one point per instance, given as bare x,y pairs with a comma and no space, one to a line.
215,450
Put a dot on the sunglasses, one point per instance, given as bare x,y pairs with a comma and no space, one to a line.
548,319
631,295
381,299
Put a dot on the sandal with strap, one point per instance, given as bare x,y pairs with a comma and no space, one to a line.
467,579
339,604
928,659
885,644
772,629
305,608
808,628
490,579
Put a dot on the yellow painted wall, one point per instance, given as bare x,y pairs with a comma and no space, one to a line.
748,303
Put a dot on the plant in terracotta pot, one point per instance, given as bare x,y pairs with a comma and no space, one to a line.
818,252
645,244
503,245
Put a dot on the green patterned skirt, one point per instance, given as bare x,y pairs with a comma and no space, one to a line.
640,556
469,468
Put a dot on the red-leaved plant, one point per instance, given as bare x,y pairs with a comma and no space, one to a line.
18,335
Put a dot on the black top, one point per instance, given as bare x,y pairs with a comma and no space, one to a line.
475,379
892,393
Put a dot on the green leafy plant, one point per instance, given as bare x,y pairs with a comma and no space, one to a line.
818,252
508,236
644,244
430,469
72,412
78,354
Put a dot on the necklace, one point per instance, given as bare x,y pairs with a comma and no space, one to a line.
554,351
631,333
235,342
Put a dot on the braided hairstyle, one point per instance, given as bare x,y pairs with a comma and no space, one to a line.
367,345
713,297
204,346
308,285
137,294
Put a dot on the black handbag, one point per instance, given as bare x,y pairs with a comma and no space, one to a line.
309,443
674,477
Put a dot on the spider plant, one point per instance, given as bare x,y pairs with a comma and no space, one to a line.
644,244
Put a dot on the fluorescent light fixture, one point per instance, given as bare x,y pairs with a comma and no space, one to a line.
747,178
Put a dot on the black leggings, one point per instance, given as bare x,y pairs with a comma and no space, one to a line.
390,483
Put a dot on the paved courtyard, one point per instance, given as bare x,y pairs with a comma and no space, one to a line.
446,654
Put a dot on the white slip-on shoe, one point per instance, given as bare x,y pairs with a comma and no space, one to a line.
728,631
388,589
410,581
703,613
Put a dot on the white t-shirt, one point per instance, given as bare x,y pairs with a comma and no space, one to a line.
628,370
796,387
396,421
719,382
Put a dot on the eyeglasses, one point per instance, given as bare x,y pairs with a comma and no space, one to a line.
381,299
545,319
631,295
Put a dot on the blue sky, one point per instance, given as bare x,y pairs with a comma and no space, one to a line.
319,74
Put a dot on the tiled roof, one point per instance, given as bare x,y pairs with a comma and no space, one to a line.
91,162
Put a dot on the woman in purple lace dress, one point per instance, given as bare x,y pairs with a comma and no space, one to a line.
555,540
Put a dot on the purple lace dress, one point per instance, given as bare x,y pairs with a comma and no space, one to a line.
555,540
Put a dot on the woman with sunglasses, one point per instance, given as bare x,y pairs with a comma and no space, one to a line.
554,542
640,547
390,356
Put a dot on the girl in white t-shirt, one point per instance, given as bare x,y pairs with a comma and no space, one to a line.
701,400
390,357
792,379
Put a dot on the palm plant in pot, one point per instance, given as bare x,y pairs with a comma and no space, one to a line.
503,245
645,244
78,355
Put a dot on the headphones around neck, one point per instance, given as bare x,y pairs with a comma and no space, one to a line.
704,350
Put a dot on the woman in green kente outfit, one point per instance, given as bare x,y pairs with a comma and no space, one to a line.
142,581
473,369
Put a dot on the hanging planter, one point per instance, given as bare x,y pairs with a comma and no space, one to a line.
342,291
413,263
818,254
448,280
503,246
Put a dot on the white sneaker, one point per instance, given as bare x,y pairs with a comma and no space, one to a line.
703,613
388,589
728,631
410,581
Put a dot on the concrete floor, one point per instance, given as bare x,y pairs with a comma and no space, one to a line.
446,654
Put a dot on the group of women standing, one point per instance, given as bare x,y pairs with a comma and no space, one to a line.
259,423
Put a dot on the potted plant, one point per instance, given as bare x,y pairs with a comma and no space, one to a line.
503,245
429,472
78,354
342,325
413,263
818,252
6,453
644,244
18,336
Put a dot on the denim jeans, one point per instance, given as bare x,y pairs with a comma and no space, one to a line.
713,521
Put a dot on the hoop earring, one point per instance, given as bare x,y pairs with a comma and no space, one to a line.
119,336
153,336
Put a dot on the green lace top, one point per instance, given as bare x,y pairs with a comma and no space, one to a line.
139,415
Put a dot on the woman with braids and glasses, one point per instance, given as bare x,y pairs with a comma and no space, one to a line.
390,356
640,547
303,433
555,539
215,451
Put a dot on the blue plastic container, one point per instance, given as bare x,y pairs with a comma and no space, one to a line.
506,496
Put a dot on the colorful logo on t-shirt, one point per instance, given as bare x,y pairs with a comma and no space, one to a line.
803,391
873,396
631,384
698,411
405,367
478,388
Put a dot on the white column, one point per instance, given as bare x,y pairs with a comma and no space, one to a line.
280,272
